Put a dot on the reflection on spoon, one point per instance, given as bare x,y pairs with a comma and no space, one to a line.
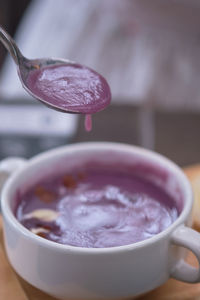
60,84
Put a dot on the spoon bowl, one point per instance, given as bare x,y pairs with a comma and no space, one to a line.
88,99
30,65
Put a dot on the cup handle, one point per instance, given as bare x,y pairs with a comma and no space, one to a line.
8,166
190,239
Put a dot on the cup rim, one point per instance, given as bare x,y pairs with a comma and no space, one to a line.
9,215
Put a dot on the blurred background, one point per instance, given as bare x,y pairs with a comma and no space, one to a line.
149,51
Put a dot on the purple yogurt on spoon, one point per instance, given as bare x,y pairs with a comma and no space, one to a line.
60,84
71,87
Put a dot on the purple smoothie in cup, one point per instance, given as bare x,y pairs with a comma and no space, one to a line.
96,208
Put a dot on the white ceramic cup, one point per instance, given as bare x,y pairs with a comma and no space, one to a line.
69,272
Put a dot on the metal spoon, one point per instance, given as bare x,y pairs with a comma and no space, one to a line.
24,66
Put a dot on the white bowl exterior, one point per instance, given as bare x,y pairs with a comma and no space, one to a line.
69,272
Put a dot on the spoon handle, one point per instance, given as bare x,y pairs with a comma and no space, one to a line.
10,45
